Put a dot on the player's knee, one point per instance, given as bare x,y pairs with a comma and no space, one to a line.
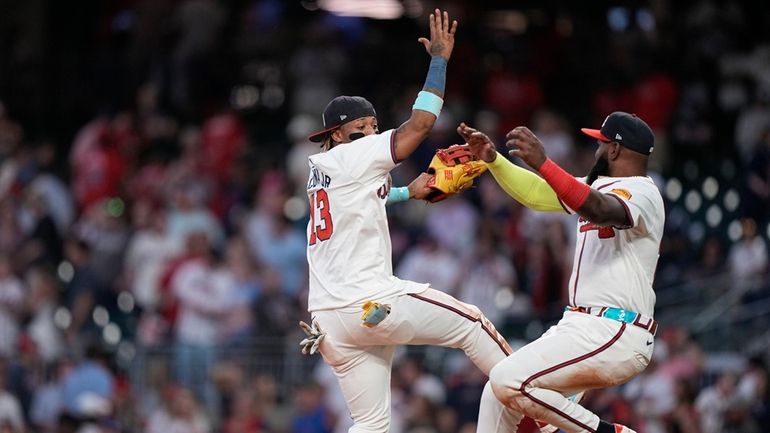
506,387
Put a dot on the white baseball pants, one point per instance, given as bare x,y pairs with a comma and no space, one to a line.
361,357
579,353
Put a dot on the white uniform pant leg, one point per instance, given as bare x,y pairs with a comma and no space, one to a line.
436,318
363,373
581,352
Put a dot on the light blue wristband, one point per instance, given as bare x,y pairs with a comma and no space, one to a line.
427,101
397,195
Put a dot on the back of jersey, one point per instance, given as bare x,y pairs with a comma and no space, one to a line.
349,250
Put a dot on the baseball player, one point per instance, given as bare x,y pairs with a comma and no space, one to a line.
360,310
606,334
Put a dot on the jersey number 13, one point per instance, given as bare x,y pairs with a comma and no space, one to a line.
319,201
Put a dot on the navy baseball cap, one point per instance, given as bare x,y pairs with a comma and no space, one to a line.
627,129
340,111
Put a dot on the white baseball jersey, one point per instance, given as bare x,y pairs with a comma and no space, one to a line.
615,266
349,251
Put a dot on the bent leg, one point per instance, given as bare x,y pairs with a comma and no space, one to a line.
439,319
580,354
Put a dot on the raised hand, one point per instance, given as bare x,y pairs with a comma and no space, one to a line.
480,144
527,146
442,35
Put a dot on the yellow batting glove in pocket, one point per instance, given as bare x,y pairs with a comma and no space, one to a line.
374,313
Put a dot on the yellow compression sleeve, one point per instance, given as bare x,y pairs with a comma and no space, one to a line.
524,186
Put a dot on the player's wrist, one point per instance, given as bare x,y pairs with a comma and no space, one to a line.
489,157
399,194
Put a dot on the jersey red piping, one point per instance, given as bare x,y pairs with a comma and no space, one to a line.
577,271
393,147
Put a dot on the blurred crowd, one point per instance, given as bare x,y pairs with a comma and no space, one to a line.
153,157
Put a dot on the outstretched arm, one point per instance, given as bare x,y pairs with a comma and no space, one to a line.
524,186
429,101
593,205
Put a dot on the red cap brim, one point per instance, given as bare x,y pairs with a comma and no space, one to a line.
317,137
595,133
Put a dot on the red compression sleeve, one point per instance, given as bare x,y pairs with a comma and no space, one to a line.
570,190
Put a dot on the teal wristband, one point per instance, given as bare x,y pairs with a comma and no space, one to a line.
427,101
397,195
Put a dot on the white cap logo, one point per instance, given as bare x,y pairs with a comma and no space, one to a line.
343,116
618,137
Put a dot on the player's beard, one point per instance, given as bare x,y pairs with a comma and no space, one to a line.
601,168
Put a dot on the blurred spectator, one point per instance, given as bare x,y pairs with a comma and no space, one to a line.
11,234
421,416
459,214
12,294
104,228
488,279
277,414
654,397
680,355
684,417
188,214
273,241
149,251
312,415
54,192
179,413
430,262
97,166
420,383
10,408
512,90
43,245
752,126
276,311
197,331
83,291
246,416
747,258
48,399
756,201
238,279
711,260
90,386
714,404
553,131
40,308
